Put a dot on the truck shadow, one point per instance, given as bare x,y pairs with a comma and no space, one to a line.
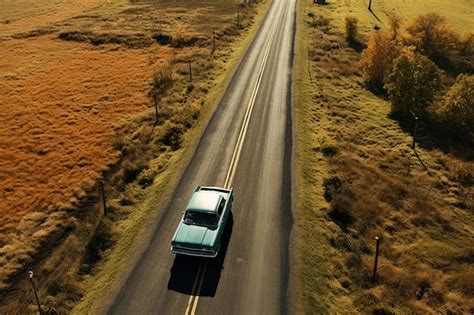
184,271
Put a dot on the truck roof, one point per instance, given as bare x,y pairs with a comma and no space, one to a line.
204,201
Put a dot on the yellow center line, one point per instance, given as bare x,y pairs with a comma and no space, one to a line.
195,285
198,282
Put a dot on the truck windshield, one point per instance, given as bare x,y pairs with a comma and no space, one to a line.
200,218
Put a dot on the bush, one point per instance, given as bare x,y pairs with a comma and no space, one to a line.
395,22
173,135
457,114
352,31
412,85
319,21
432,37
100,241
464,59
162,80
162,39
131,173
377,59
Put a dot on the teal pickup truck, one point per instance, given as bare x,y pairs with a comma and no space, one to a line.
200,231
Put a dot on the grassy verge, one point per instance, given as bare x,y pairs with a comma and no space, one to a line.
358,178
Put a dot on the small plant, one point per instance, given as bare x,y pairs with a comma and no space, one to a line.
319,21
162,80
395,22
352,29
162,39
101,240
173,135
189,88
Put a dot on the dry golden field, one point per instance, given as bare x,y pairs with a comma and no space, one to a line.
75,78
358,177
26,15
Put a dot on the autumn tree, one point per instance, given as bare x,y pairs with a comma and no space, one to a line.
412,84
377,59
395,23
457,112
432,36
464,59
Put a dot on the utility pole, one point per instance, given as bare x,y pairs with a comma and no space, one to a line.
40,310
103,197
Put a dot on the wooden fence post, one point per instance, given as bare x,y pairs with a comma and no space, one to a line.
190,71
374,275
103,197
40,310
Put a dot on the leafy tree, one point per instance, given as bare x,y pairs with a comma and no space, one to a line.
432,36
377,59
457,114
412,84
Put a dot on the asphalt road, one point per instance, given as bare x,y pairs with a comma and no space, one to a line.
250,275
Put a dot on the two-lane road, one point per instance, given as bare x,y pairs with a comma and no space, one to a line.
246,145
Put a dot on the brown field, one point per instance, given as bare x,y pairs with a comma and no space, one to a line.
358,178
458,13
74,99
26,15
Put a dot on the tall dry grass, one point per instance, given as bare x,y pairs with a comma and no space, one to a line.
360,160
76,108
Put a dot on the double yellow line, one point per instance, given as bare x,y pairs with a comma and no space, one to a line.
198,282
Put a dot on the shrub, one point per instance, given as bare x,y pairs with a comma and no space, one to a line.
395,23
331,185
464,59
412,84
173,135
131,173
352,31
100,241
377,59
432,37
162,39
162,80
319,21
466,45
457,114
